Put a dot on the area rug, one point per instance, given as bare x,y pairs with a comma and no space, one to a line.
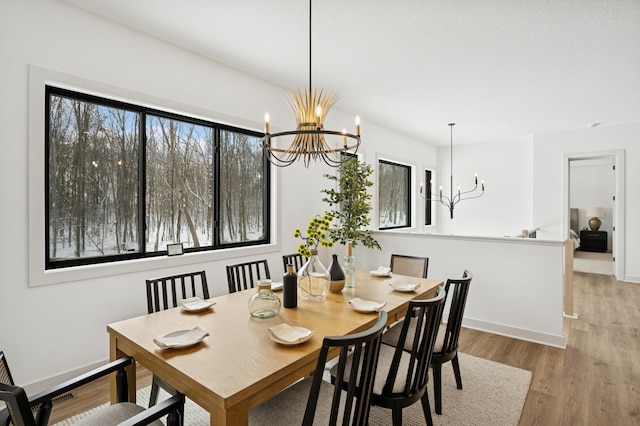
593,263
492,394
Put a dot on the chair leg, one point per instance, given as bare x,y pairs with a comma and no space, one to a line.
426,408
437,386
396,414
456,371
153,398
174,419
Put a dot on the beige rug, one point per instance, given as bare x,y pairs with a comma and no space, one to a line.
493,394
593,263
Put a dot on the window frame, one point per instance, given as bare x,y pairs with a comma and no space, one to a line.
38,78
144,113
409,205
428,212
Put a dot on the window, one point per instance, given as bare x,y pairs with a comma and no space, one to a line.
124,180
428,201
394,202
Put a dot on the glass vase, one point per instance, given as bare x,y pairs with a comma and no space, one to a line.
264,304
313,279
349,267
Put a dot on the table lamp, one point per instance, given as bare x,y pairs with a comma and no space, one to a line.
595,213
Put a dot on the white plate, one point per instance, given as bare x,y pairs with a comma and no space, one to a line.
404,287
195,304
366,306
378,274
181,338
301,340
276,286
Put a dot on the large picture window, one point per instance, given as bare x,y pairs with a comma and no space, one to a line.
394,202
124,180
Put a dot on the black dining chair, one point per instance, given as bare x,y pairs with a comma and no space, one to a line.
35,410
296,259
167,292
315,401
446,347
242,276
413,266
402,376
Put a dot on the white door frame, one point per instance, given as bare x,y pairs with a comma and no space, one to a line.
618,157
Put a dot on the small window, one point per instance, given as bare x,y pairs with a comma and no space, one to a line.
428,200
394,202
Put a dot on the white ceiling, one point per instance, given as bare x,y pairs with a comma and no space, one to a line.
500,69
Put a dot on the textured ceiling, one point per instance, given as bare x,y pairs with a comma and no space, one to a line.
501,69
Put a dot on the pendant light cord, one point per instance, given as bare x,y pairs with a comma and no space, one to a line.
451,159
310,47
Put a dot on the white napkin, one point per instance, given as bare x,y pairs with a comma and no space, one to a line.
195,303
366,305
286,333
187,338
276,286
404,286
382,270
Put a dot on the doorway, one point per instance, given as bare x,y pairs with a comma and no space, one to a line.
591,193
615,224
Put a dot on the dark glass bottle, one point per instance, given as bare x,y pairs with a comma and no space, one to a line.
337,275
290,288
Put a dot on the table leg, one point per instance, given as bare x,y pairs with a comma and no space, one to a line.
235,415
114,354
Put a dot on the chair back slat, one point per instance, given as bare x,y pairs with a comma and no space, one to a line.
457,291
425,316
167,292
361,371
296,259
242,276
413,266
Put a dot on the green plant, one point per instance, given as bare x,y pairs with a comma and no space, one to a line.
351,203
316,235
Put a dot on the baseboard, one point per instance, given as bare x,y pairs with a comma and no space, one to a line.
516,333
630,279
49,382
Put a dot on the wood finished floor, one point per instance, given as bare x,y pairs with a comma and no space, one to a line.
594,381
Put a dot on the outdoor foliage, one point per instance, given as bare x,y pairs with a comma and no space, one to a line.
95,187
393,196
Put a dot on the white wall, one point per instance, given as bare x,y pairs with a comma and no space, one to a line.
517,287
506,207
53,329
591,184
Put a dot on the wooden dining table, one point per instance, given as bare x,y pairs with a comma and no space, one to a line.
237,366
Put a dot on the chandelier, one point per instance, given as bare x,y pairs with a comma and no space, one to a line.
310,108
454,198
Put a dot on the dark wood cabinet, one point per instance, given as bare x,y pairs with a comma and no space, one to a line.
593,241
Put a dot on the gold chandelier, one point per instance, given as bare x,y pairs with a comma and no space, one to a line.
310,108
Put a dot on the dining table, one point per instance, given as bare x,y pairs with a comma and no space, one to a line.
238,365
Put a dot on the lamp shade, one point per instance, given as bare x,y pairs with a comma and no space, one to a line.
595,212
